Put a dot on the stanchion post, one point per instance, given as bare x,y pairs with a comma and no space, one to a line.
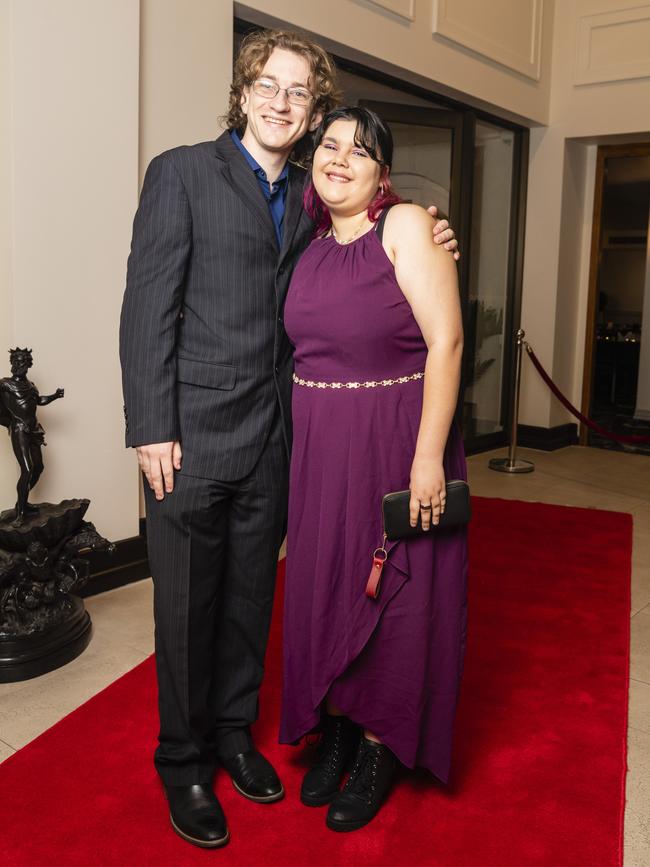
511,464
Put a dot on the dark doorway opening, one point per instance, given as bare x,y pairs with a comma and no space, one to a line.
617,382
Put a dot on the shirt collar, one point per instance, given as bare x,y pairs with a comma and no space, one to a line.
252,162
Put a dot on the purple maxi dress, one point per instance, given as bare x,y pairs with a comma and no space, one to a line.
392,665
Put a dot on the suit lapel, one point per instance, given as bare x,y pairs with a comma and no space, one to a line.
242,179
293,209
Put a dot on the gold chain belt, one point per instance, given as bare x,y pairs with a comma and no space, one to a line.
371,383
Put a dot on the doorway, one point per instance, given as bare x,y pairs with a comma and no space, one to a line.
616,390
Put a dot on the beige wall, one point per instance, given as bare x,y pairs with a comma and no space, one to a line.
573,273
185,72
7,473
463,62
617,98
76,138
186,67
73,177
560,194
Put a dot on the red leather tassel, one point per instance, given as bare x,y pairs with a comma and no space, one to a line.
374,579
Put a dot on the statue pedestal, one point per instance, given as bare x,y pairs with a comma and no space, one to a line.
43,624
25,656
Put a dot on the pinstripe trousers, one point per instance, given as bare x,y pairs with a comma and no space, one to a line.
213,553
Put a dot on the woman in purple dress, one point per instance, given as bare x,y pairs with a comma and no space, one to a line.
373,312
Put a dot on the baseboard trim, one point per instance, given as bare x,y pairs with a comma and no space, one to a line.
547,439
127,563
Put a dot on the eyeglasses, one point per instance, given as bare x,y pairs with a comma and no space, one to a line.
267,89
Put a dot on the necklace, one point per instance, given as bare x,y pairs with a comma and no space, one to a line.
353,236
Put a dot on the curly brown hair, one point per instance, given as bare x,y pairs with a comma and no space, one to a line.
255,50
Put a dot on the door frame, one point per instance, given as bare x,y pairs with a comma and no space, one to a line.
605,152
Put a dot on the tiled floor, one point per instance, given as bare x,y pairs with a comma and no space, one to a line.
594,478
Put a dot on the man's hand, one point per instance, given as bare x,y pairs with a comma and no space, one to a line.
158,462
444,234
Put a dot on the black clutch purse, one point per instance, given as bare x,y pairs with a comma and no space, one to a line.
397,524
397,521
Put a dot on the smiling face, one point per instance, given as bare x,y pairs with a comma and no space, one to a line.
344,174
275,125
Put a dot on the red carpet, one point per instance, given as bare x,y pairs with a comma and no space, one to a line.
540,745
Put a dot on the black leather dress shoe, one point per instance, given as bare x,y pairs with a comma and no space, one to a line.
365,790
254,777
338,744
196,815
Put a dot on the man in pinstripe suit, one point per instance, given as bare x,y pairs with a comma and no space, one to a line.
207,382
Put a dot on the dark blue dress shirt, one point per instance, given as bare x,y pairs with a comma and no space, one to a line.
277,196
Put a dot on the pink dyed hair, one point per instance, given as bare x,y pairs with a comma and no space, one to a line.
318,211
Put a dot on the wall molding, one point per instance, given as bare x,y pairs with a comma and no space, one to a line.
611,25
403,8
547,439
127,563
525,59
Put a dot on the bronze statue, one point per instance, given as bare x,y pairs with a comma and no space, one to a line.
44,548
19,399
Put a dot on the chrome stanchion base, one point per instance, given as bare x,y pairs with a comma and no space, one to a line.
505,465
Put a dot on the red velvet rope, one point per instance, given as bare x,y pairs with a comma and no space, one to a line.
619,438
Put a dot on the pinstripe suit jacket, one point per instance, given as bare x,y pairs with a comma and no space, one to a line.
205,358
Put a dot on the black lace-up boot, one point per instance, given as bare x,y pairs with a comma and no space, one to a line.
337,746
365,790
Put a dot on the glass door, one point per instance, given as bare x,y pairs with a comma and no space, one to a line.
466,166
488,328
427,155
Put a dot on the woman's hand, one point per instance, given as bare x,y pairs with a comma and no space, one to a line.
428,491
